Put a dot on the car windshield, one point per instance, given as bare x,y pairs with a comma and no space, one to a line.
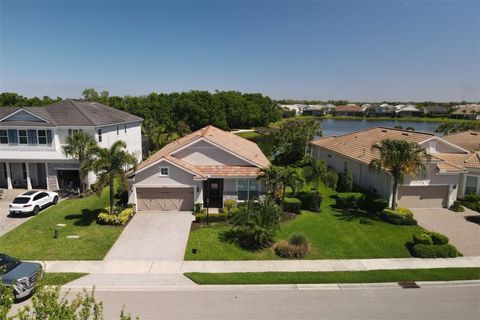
21,200
7,263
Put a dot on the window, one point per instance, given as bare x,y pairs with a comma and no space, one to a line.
472,184
3,137
118,130
164,172
125,128
42,137
72,131
247,189
22,137
99,132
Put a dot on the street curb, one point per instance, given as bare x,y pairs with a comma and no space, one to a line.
293,287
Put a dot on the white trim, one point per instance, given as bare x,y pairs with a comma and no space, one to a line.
24,110
446,142
465,182
162,186
215,145
166,160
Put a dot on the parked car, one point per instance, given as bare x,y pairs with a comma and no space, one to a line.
21,276
33,202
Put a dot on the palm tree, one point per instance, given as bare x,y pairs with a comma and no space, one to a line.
289,178
272,176
314,172
110,164
81,146
400,158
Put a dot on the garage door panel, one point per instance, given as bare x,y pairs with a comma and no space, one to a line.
165,199
422,196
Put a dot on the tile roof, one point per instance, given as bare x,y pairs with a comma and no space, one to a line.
229,171
75,113
469,140
348,108
462,160
239,146
358,145
468,109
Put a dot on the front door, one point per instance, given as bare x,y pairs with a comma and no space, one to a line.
213,197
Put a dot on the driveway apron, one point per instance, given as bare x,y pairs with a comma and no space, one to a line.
153,236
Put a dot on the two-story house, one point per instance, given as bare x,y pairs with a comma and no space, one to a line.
31,141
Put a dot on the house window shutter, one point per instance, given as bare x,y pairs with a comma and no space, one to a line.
12,136
32,136
49,136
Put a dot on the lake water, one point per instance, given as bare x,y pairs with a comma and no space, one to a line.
332,127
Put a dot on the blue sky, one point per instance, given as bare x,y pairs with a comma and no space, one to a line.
356,50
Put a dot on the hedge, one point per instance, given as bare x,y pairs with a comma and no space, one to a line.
438,238
422,238
115,219
401,216
350,200
374,205
310,200
220,217
292,205
435,251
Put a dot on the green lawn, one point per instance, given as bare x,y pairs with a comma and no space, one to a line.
444,274
332,234
250,135
58,279
33,240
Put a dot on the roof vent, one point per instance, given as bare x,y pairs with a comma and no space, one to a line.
404,134
474,133
384,130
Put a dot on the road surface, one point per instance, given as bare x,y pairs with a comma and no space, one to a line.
431,302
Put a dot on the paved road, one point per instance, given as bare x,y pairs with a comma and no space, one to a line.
463,233
153,236
456,302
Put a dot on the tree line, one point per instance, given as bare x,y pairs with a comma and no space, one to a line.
188,110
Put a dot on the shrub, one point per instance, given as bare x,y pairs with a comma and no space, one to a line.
435,251
310,200
286,250
350,200
229,204
198,207
331,179
422,238
438,238
457,207
401,216
345,181
298,239
115,219
202,217
292,205
471,201
374,205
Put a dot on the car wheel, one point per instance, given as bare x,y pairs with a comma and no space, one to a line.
36,210
55,200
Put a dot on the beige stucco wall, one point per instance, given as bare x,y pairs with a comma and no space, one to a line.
151,176
204,153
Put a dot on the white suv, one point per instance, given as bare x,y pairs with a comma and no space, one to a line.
33,202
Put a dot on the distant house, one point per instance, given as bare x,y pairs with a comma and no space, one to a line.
383,110
349,110
408,110
317,110
435,111
468,112
298,108
452,171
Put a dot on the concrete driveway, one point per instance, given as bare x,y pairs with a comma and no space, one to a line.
463,234
8,222
153,236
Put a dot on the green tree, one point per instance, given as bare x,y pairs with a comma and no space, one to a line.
81,146
314,173
345,181
289,177
292,140
400,158
272,176
110,164
257,223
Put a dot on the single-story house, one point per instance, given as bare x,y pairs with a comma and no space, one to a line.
349,110
435,111
407,111
469,140
467,112
298,108
317,110
452,171
207,166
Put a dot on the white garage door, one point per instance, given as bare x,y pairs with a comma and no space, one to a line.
165,199
422,197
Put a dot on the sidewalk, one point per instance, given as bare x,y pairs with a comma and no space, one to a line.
180,267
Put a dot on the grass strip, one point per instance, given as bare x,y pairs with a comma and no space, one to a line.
373,276
58,279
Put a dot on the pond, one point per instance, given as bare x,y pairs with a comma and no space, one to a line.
333,127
